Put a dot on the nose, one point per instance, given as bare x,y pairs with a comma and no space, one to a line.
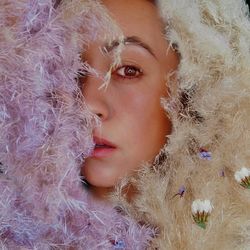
96,99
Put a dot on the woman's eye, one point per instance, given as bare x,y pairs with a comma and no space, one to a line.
129,71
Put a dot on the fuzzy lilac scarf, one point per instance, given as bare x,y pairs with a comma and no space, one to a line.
45,134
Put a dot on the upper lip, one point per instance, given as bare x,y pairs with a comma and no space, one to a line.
102,141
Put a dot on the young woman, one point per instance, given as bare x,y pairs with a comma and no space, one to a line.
167,82
134,124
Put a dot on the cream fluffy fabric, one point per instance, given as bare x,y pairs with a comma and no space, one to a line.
210,111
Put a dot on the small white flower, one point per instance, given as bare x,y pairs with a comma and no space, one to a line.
207,206
242,174
243,177
196,206
202,206
201,210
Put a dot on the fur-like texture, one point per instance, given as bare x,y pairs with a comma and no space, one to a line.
45,132
210,110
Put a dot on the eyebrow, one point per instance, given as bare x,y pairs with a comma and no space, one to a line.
130,40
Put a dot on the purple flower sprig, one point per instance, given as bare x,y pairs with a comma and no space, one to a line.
205,155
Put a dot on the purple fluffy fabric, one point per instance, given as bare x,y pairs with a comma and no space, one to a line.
45,135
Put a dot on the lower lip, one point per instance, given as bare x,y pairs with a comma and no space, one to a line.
102,152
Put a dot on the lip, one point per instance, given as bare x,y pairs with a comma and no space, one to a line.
98,140
102,152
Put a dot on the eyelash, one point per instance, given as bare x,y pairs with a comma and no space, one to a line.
138,72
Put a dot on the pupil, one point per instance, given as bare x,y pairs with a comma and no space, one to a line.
130,71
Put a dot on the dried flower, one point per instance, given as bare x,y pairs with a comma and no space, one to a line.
222,173
119,244
181,191
204,154
243,177
201,210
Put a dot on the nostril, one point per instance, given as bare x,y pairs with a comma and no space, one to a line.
100,115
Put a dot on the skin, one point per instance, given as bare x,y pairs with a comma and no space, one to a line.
129,109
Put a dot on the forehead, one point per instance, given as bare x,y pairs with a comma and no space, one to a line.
139,18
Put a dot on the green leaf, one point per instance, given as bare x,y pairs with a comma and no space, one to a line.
201,224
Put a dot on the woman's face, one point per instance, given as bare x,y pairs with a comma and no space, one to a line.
133,123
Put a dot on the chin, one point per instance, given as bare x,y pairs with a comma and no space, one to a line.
99,176
100,183
98,180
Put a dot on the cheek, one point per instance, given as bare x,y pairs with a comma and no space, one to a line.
144,120
133,109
